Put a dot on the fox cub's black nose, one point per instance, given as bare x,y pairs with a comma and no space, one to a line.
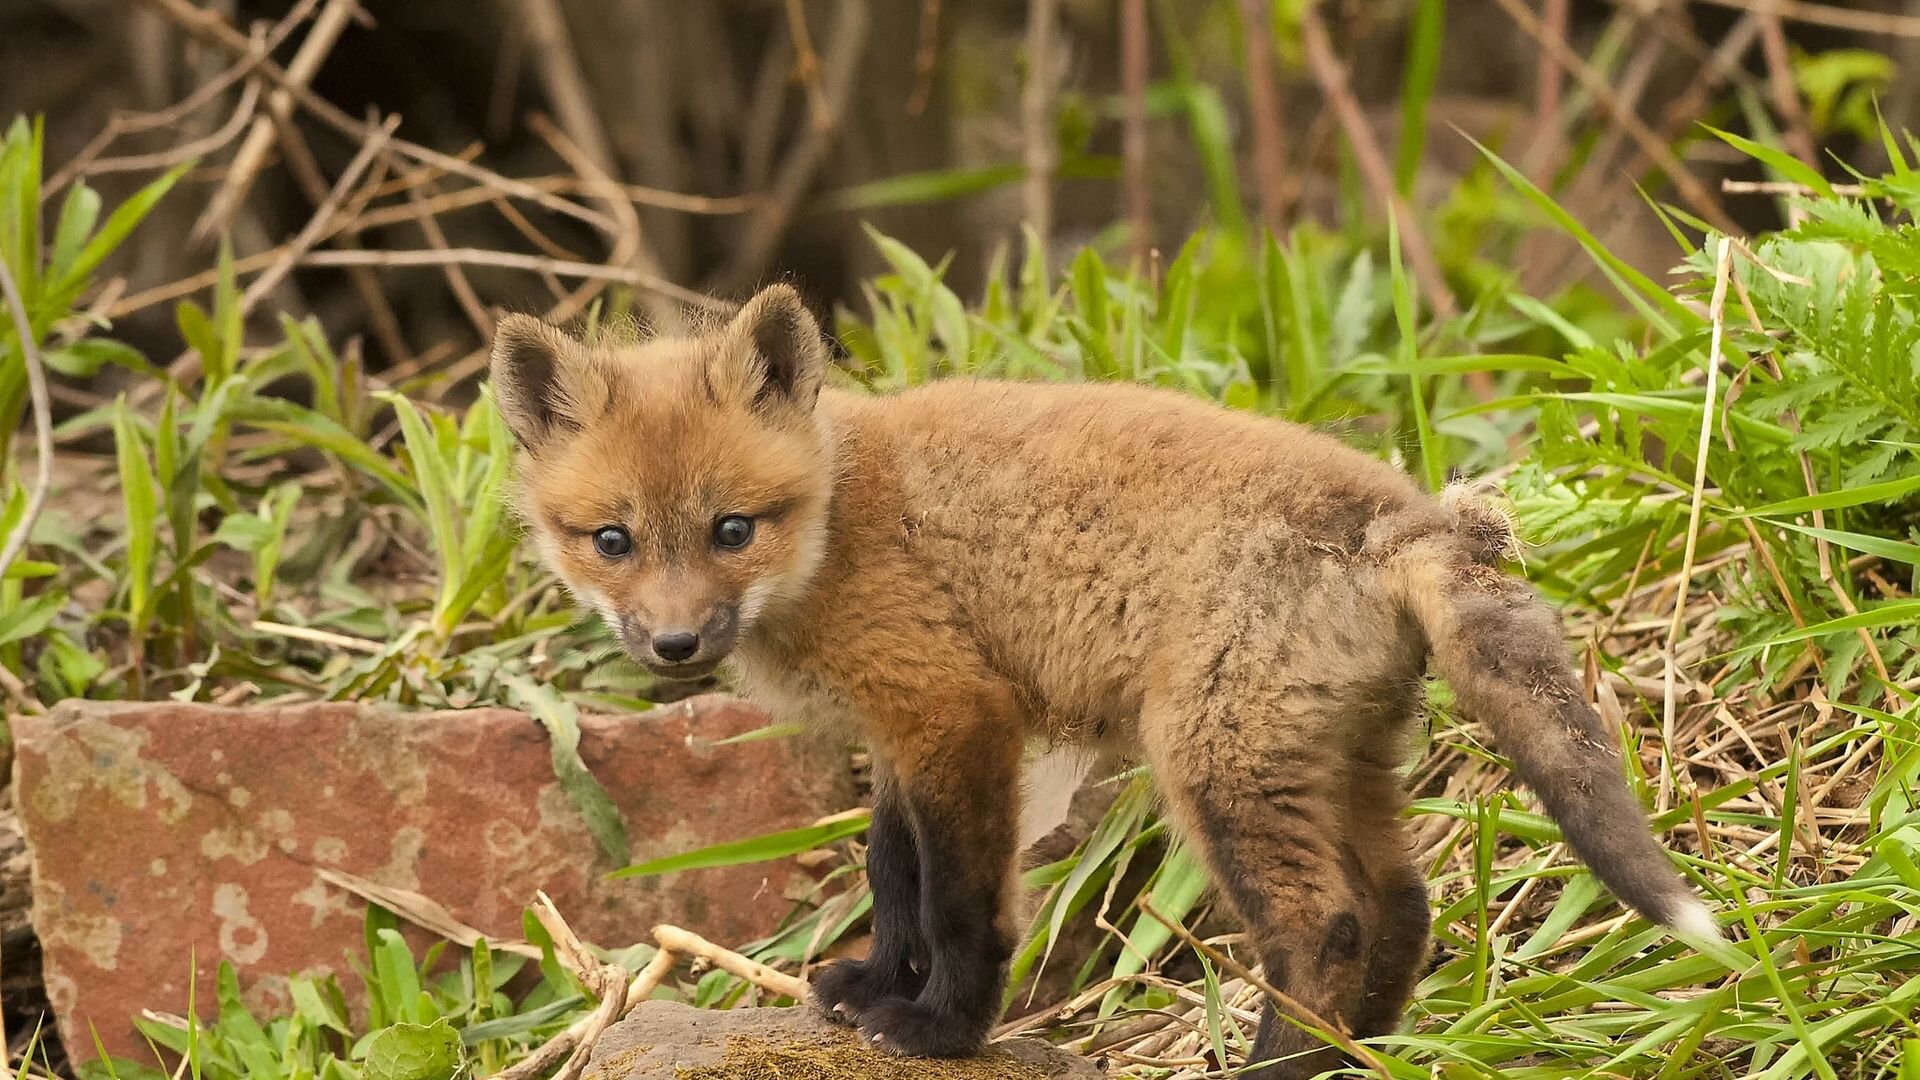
674,648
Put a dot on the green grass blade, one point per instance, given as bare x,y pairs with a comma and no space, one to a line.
765,848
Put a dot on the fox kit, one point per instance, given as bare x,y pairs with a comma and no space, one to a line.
953,571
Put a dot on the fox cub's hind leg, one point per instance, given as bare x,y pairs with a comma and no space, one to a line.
898,963
1402,918
1250,734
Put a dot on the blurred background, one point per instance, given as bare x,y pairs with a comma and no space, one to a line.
948,123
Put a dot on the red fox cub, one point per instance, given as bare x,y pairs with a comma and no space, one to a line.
956,570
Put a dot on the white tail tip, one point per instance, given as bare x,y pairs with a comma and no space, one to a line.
1693,920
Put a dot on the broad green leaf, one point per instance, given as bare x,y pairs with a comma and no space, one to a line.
416,1052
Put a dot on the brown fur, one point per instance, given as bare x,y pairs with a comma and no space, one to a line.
952,571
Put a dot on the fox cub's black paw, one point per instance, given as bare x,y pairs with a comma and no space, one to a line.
843,991
910,1029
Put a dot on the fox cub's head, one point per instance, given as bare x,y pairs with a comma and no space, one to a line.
680,486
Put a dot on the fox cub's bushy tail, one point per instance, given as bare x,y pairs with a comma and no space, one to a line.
1500,648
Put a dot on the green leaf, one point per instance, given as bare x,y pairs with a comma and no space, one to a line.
1895,550
913,189
1883,492
1892,613
1461,365
562,722
1789,167
764,848
120,224
1650,299
78,215
1419,74
416,1052
142,507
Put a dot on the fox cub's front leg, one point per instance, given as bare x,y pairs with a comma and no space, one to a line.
898,963
954,773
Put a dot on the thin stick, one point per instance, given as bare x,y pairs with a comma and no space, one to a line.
1785,187
560,70
210,27
320,40
1546,94
187,151
319,637
42,420
422,911
456,277
1263,107
1280,998
316,226
517,261
688,943
1332,77
925,57
761,235
806,66
1840,18
307,176
1133,75
1716,313
1688,185
1039,145
563,1044
124,123
629,248
1786,96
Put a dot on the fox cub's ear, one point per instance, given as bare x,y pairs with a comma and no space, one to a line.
536,369
781,345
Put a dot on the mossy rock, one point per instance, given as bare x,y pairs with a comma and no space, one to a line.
665,1040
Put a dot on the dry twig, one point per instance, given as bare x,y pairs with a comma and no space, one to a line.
1040,150
1263,107
517,261
688,943
322,218
320,40
1688,185
560,71
1331,74
925,57
1833,15
1133,75
1716,313
762,233
1786,96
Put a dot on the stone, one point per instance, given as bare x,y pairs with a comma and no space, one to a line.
164,832
665,1040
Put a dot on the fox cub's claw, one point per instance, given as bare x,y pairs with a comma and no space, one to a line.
910,1029
842,991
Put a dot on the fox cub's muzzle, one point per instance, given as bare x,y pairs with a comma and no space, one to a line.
681,651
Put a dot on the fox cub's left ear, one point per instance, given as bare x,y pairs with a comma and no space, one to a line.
781,345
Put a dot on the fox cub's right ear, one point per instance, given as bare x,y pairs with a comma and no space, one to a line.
537,374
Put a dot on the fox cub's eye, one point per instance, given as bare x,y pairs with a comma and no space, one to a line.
733,532
613,542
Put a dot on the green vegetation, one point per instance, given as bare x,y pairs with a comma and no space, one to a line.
1719,477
